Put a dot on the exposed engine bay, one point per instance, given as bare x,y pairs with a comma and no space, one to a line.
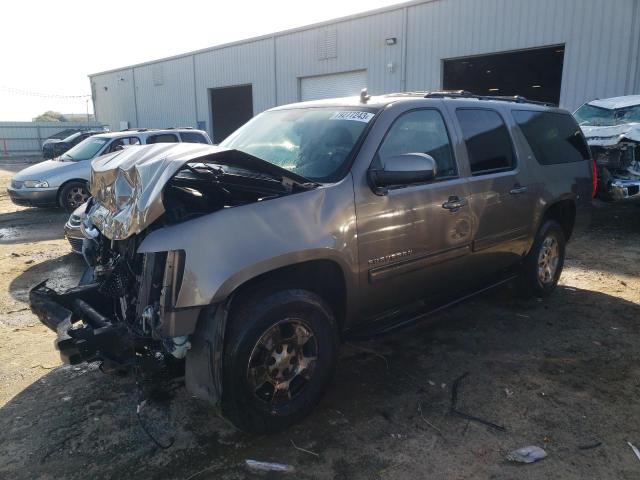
618,169
123,313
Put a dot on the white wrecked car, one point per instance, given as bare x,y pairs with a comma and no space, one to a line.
612,129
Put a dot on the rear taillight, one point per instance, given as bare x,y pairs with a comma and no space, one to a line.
594,179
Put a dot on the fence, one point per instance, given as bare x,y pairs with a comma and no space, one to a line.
25,138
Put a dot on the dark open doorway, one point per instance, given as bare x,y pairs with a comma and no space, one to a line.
231,107
535,74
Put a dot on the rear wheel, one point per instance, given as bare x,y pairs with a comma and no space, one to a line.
543,265
73,194
280,351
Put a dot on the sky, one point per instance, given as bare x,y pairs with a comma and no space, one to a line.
47,49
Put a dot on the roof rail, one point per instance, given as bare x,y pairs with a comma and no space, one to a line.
179,128
135,130
466,94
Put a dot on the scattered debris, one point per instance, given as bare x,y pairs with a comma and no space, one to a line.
635,449
522,315
269,467
305,450
528,454
443,385
589,446
454,410
432,383
427,421
508,392
372,352
66,399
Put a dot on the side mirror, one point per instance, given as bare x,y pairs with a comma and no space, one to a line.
402,170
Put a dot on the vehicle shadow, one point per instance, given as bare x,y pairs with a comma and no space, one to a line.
536,368
32,225
61,273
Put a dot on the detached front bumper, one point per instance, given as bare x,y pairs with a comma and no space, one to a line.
84,333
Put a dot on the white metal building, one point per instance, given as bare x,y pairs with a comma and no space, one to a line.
566,51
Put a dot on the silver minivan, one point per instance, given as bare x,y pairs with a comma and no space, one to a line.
63,181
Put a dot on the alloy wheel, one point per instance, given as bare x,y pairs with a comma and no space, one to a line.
548,260
282,362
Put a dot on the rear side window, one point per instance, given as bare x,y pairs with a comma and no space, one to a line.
193,137
162,138
488,142
553,137
419,131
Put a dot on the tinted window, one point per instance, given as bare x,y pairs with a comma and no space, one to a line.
120,143
192,137
487,139
162,138
553,137
419,131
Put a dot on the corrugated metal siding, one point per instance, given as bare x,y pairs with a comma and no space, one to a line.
360,46
113,98
25,138
601,39
251,63
597,35
165,93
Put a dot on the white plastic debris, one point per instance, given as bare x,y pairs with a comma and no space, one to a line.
269,467
635,449
528,454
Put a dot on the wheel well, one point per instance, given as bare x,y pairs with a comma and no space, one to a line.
61,187
563,212
323,277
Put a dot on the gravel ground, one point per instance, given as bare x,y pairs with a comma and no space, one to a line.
561,373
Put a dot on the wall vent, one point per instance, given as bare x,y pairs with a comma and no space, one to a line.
327,43
158,75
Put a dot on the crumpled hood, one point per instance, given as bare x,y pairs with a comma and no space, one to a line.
128,185
611,135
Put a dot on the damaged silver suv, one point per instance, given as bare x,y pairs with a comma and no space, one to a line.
313,223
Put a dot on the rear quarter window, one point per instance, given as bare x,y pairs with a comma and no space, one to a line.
162,138
553,137
193,137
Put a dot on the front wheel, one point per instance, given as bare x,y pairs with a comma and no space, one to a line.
280,352
543,265
73,194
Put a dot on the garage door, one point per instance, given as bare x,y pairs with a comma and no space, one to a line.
330,86
535,74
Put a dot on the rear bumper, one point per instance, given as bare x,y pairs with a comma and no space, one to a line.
36,197
84,334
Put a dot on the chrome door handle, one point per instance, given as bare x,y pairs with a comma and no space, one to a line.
454,203
518,190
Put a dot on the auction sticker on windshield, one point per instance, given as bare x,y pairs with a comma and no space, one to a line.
352,115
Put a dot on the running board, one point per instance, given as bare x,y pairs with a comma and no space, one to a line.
403,319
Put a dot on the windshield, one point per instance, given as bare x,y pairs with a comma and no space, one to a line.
316,143
590,115
85,150
72,136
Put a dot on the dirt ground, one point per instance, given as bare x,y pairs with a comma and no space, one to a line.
561,373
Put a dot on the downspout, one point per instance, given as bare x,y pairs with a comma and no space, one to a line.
135,95
403,53
195,92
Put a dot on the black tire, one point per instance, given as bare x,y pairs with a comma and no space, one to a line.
249,321
533,282
73,194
